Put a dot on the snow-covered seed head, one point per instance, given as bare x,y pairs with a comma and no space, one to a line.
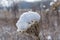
26,20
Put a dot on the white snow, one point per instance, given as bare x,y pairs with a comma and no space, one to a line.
31,0
49,37
51,3
26,20
44,6
47,10
55,0
6,3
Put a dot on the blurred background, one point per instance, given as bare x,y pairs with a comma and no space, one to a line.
10,11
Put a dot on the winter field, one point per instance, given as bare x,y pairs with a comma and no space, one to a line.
49,26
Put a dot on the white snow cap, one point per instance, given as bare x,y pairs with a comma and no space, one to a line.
51,3
26,20
49,37
44,6
55,0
